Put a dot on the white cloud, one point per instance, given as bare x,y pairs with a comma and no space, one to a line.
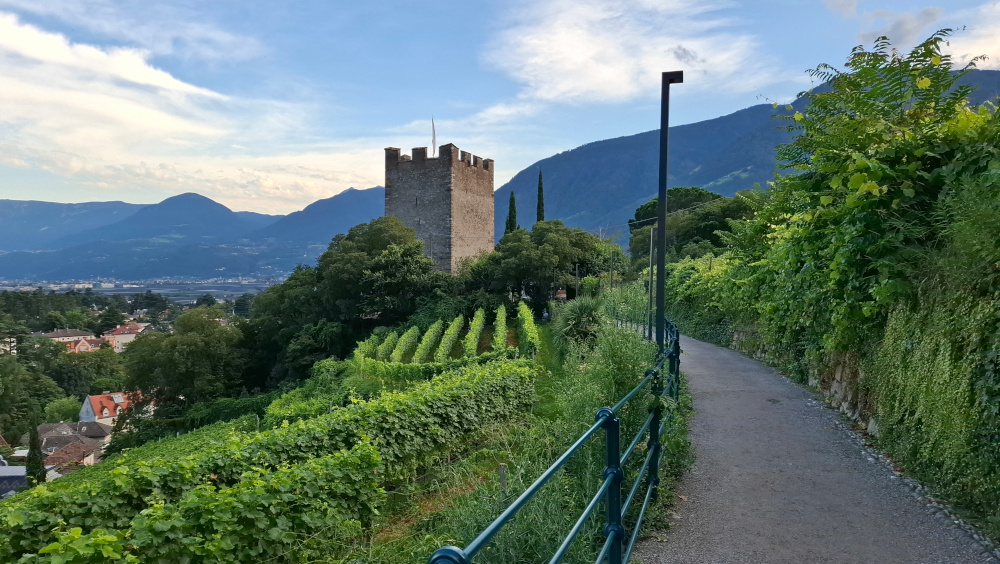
904,29
162,28
108,119
585,51
979,36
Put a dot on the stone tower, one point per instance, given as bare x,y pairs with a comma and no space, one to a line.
447,199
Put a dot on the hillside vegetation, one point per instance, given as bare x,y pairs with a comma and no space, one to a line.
873,268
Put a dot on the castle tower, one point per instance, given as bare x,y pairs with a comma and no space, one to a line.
448,200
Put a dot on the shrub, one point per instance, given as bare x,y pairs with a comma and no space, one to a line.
577,320
291,514
409,428
528,339
428,343
500,330
368,347
388,345
449,339
406,345
470,345
318,395
226,409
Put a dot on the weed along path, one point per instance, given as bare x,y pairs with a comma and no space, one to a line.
777,479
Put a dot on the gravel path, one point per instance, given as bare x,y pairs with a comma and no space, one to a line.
778,479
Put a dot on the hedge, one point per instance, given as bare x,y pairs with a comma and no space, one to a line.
291,515
406,345
500,330
470,346
428,343
364,379
449,339
409,428
387,346
528,339
368,347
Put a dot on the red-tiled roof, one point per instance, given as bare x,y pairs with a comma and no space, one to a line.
111,401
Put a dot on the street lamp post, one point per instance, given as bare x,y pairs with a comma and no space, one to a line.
673,77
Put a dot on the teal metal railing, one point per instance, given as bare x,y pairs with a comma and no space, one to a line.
661,380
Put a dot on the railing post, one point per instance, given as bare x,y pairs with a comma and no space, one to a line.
449,555
675,365
613,529
653,444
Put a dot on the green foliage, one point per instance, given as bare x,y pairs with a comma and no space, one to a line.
470,345
923,378
511,224
528,339
79,374
500,330
409,429
691,232
22,393
429,342
406,346
577,321
590,286
200,361
878,251
533,261
227,409
376,269
36,458
63,409
449,339
385,349
540,209
369,347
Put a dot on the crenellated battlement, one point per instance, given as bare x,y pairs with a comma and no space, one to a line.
447,155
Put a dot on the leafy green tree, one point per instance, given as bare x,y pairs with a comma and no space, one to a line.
376,271
109,319
77,374
511,224
150,301
55,320
12,333
79,318
241,306
540,212
36,458
533,262
678,198
207,300
200,361
22,393
840,239
63,409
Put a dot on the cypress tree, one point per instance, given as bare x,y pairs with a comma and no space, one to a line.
511,215
36,458
541,199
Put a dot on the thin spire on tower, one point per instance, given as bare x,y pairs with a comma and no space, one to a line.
434,139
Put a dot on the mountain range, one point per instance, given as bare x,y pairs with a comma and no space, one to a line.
596,186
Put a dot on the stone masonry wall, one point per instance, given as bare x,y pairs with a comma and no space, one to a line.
471,208
448,200
418,192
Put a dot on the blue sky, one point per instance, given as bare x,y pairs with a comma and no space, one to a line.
269,106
